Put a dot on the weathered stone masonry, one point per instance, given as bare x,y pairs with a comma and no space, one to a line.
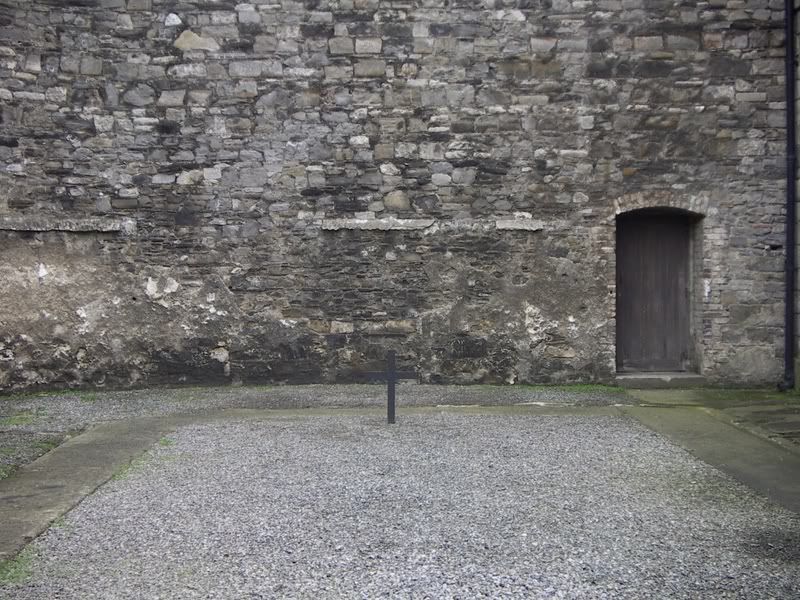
216,191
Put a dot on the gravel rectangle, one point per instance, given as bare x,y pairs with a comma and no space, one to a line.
442,505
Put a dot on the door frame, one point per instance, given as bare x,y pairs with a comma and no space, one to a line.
694,282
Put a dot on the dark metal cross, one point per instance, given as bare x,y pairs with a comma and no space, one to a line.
391,376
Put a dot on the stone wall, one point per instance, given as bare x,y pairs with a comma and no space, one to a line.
216,191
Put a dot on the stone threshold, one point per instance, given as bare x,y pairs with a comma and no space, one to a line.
660,380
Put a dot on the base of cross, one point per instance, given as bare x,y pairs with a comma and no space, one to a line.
391,377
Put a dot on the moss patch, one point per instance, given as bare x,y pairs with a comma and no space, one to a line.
20,419
577,388
127,470
17,569
44,446
7,470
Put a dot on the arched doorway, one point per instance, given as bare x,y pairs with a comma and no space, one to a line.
654,265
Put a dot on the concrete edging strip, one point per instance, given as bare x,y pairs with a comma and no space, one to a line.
761,465
53,484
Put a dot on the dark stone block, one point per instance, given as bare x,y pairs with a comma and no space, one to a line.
316,30
169,127
464,346
652,68
495,167
398,32
726,66
440,29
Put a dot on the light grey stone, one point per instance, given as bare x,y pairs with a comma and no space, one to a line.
141,95
188,40
91,65
172,98
341,45
396,200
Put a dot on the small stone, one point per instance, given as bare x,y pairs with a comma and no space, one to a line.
141,95
751,97
370,68
190,177
122,203
542,45
368,45
245,68
220,354
337,72
172,20
91,65
33,63
188,70
249,16
35,96
128,192
57,95
396,200
102,204
586,122
212,174
189,40
103,123
140,5
70,63
464,176
341,327
163,178
649,42
124,21
246,89
389,169
341,45
359,141
199,97
172,98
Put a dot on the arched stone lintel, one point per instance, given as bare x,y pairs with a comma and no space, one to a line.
694,203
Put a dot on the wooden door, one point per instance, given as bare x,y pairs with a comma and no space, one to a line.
653,292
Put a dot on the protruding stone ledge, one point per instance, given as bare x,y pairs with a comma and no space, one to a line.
384,224
520,224
77,225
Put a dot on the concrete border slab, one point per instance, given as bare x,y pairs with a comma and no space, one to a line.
760,464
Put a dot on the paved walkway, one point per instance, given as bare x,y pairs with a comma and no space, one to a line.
538,431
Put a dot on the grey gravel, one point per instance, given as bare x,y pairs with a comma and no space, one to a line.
442,505
56,416
74,409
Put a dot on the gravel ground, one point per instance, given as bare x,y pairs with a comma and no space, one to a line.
29,425
444,505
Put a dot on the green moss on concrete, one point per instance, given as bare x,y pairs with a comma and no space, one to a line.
17,569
